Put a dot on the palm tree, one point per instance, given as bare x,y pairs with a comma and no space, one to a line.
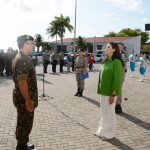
38,41
53,30
58,27
46,46
81,43
64,23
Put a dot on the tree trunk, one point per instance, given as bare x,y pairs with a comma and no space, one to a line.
61,43
56,42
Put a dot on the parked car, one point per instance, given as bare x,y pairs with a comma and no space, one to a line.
39,57
71,54
98,57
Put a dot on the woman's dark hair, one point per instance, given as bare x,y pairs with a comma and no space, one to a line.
116,54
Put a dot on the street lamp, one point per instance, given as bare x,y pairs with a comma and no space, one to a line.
75,24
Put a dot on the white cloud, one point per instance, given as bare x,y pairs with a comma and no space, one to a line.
29,17
132,5
108,14
144,20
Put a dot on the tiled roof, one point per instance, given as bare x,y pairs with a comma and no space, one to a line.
98,39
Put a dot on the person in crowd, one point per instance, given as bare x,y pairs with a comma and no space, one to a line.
122,48
91,61
2,62
145,62
109,87
81,68
132,58
73,56
8,61
69,62
54,59
61,59
141,63
25,92
46,58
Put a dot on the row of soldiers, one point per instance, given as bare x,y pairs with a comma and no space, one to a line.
6,61
55,58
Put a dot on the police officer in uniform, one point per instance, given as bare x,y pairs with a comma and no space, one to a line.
46,61
1,62
81,68
54,61
118,107
25,93
61,59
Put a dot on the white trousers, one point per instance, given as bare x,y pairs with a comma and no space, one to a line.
107,126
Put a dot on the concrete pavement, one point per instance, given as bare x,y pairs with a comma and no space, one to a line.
67,122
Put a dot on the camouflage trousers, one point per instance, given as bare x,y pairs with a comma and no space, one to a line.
8,69
119,98
80,83
24,125
1,69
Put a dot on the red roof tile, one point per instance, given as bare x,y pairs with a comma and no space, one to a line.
98,39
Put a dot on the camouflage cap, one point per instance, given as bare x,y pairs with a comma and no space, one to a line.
22,39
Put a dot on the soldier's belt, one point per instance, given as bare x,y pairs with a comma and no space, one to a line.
79,67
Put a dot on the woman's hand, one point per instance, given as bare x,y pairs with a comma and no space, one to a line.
111,100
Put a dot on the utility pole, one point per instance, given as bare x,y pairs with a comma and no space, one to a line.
75,25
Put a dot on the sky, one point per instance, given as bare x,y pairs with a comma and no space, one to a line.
94,17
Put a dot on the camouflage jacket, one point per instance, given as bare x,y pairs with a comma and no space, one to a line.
23,69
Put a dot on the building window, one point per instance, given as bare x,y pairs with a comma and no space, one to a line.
59,48
99,49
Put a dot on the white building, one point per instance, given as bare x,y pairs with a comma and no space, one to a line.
98,43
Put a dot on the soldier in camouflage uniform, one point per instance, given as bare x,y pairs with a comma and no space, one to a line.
25,93
118,107
1,62
54,61
81,68
8,61
46,61
61,59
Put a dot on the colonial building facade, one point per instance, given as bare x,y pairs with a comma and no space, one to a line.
99,43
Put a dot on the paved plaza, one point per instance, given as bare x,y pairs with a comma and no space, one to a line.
66,122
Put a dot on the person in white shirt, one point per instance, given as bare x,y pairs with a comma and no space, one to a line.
141,67
132,59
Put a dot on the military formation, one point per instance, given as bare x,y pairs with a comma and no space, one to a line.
6,61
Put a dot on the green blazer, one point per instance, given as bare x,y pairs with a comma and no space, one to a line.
110,77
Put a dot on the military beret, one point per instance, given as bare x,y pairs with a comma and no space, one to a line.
22,39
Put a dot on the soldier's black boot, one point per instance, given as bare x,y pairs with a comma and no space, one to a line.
21,147
81,93
25,147
78,91
30,146
118,109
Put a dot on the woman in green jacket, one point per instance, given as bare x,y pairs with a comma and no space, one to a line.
109,87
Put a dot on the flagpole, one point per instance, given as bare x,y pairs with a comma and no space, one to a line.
75,25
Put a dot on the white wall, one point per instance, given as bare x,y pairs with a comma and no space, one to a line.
133,44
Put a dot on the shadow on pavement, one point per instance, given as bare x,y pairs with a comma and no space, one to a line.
116,142
5,78
47,82
58,74
92,101
67,116
137,121
39,74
